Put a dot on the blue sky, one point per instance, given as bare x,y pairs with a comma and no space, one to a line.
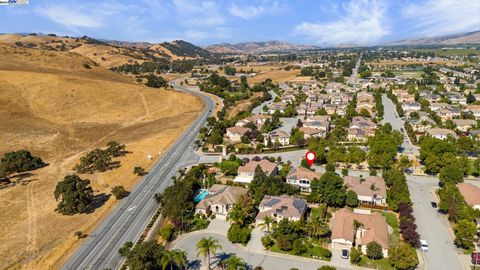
319,22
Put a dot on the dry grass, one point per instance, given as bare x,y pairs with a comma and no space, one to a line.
53,106
108,56
277,76
242,105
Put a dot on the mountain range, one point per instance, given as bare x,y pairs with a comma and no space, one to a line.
257,47
463,38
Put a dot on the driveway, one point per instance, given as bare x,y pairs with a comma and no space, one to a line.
251,254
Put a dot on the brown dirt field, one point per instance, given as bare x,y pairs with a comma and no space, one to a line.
277,76
57,109
241,105
113,56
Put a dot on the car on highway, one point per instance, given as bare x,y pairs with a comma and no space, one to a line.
424,245
434,204
344,253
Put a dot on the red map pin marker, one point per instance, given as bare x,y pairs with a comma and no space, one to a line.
310,157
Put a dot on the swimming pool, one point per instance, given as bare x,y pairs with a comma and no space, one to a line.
203,193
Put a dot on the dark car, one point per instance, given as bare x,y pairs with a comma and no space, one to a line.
344,253
434,204
476,258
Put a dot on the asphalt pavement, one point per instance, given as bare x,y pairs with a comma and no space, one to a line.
129,219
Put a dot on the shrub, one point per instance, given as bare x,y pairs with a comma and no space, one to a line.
326,267
237,234
355,255
324,253
139,171
374,251
119,192
298,247
267,242
167,232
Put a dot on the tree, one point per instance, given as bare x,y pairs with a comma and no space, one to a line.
471,98
317,226
207,247
115,149
237,234
156,81
344,172
74,194
326,267
328,189
119,192
167,232
267,222
267,242
451,174
465,232
355,255
234,262
167,259
374,251
79,234
19,161
145,255
139,171
179,258
403,256
351,199
330,167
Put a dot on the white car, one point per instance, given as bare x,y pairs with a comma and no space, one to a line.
424,245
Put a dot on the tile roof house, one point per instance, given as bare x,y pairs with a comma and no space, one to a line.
235,133
220,199
257,119
277,135
441,133
280,106
280,207
371,190
464,124
247,171
474,109
309,132
414,106
302,177
471,194
373,228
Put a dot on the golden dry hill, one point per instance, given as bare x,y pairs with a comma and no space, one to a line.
58,105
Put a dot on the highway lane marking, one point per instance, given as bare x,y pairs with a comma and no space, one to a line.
131,208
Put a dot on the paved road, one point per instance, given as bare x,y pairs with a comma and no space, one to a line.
353,78
432,226
258,109
390,115
128,220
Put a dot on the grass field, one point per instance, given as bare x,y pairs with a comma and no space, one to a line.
409,73
392,221
451,52
53,106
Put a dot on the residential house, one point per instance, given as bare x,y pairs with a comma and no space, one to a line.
220,199
309,132
247,171
448,113
235,133
276,106
371,227
411,106
471,194
370,190
280,207
474,109
464,124
437,106
282,137
257,119
301,178
441,133
457,98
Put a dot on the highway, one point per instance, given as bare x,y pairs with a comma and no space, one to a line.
130,217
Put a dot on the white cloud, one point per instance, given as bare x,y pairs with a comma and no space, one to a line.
70,17
196,12
251,11
362,22
440,17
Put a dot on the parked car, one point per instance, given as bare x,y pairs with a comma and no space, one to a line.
434,204
476,258
344,253
424,245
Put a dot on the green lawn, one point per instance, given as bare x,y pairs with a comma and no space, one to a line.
392,222
410,73
382,264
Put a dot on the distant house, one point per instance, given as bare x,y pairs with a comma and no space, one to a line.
411,106
371,190
235,133
277,135
441,133
437,106
464,124
247,171
280,207
474,109
280,106
471,194
257,119
301,178
309,132
373,227
220,199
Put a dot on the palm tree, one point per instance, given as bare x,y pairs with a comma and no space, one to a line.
167,259
234,263
207,247
267,222
179,258
317,226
